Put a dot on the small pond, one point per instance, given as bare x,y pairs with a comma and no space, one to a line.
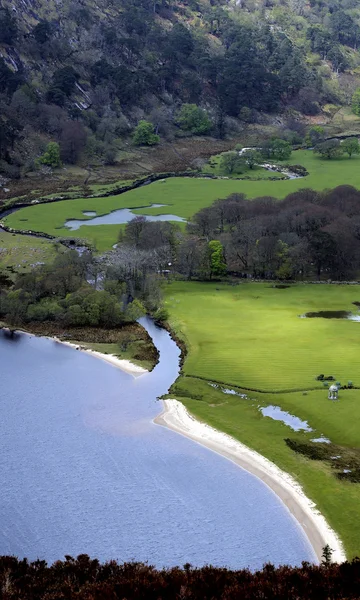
328,314
276,413
118,217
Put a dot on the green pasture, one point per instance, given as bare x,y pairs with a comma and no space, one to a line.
21,252
181,196
251,335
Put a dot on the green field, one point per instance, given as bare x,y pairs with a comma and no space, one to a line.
21,252
251,336
182,196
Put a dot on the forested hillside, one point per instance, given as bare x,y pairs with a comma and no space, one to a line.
85,73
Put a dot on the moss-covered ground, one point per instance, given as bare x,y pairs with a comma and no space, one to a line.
251,335
181,196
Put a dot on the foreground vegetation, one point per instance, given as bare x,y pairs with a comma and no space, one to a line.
83,578
251,336
181,196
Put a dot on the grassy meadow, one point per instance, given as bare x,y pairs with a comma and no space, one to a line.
22,252
251,336
181,196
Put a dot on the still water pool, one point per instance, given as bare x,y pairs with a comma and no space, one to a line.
83,469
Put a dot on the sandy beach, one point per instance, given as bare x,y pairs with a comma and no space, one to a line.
120,363
176,417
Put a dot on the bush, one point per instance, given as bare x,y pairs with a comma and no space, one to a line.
144,134
194,119
51,157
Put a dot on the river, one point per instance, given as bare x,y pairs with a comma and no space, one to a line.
83,469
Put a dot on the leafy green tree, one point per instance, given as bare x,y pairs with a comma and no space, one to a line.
217,260
329,149
351,146
194,119
251,158
51,157
144,134
276,149
231,162
314,136
355,103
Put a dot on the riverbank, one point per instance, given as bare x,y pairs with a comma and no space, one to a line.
176,417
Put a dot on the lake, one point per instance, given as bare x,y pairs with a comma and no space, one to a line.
83,469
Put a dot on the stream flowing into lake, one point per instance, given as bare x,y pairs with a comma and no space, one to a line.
83,469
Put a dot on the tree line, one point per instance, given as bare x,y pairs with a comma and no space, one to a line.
308,235
86,578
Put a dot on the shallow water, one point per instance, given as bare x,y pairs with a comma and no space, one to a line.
276,413
118,217
84,470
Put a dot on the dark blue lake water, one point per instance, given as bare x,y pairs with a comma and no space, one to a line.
84,470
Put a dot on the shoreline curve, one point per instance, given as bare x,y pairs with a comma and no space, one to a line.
175,416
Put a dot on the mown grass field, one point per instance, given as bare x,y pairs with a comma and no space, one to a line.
181,196
251,336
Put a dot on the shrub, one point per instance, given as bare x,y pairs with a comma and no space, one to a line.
51,157
144,134
194,119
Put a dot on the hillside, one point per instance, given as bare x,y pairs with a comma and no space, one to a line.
84,73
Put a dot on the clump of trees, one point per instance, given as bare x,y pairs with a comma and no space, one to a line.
334,148
309,234
77,291
84,577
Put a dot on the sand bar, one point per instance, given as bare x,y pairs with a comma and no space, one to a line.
176,417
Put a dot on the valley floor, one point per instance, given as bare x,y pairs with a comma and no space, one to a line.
248,350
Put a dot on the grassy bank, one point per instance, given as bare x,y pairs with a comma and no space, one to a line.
181,196
251,336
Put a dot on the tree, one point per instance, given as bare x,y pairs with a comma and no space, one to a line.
194,119
8,27
51,156
251,157
315,135
144,134
276,149
231,162
217,261
355,103
72,141
329,149
351,146
42,32
326,556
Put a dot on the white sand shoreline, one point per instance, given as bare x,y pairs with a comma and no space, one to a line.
319,533
120,363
